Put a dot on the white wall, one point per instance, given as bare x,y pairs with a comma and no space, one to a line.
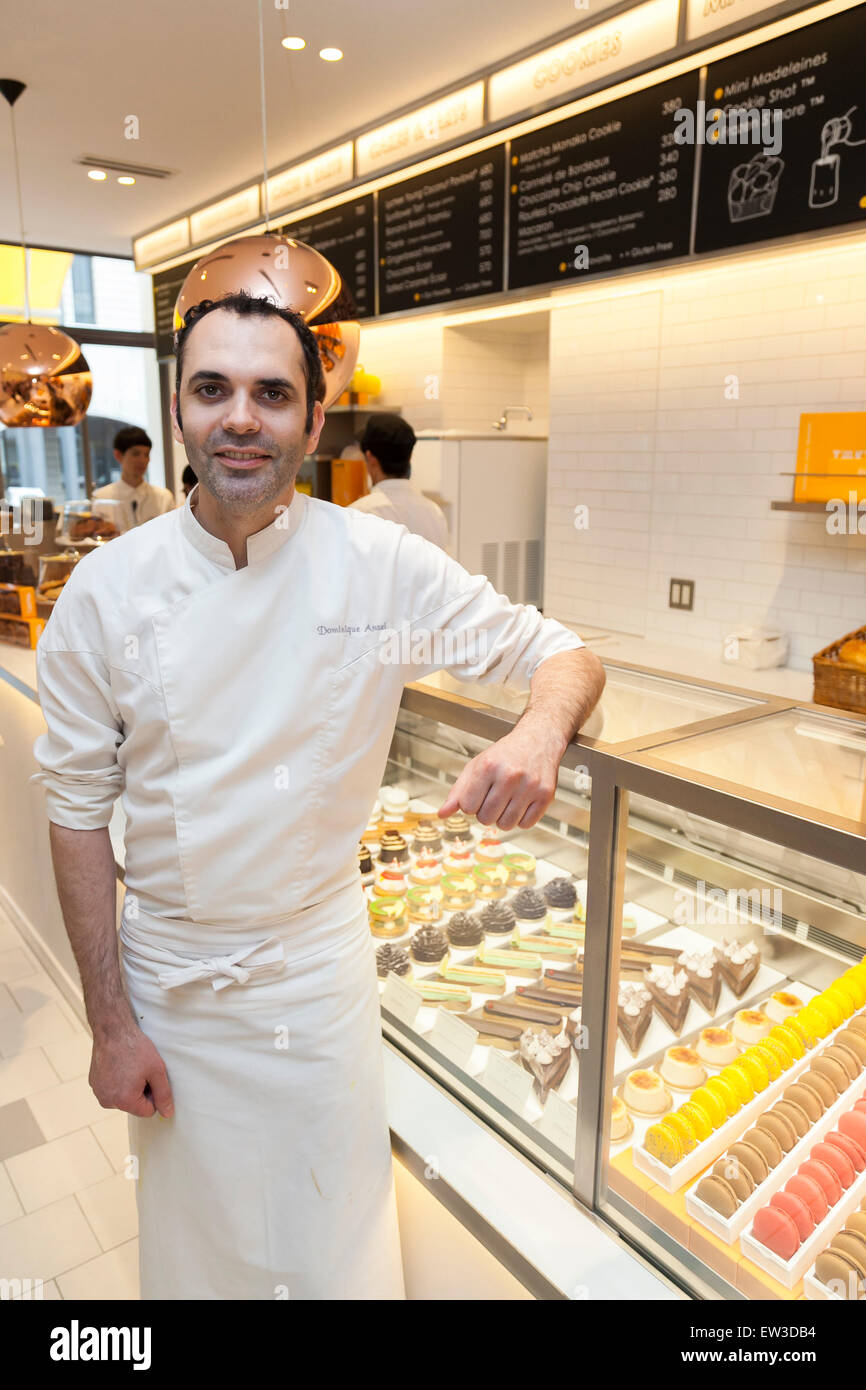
677,477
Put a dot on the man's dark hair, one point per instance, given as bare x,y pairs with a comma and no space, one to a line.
131,437
248,305
390,439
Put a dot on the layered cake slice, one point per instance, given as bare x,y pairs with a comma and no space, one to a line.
739,962
704,976
669,988
547,1058
634,1011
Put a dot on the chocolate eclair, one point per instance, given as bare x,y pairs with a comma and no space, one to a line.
429,945
464,929
497,918
391,959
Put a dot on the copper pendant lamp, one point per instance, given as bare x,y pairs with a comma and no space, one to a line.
44,379
292,274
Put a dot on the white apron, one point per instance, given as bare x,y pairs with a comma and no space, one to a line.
273,1178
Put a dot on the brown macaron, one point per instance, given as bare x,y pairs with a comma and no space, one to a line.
717,1193
847,1061
858,1023
839,1273
781,1129
854,1041
807,1099
751,1158
766,1144
735,1174
826,1089
857,1222
853,1247
794,1114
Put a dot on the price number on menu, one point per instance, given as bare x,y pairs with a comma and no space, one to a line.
671,105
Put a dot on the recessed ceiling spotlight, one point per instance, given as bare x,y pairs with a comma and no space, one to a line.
126,178
331,55
294,43
97,174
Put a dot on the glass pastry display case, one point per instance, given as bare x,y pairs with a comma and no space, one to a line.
656,994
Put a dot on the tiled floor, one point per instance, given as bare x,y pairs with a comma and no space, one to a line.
67,1213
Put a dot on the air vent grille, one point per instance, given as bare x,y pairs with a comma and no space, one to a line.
490,562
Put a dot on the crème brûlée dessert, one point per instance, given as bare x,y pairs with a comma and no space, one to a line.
389,917
750,1026
682,1068
717,1047
782,1005
621,1124
644,1092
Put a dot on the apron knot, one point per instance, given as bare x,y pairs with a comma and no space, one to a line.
266,957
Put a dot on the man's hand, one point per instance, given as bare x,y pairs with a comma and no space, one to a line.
512,783
127,1073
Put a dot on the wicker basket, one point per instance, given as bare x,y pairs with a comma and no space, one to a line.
839,683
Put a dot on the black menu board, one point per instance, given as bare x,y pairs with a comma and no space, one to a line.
344,235
441,234
166,288
605,189
802,109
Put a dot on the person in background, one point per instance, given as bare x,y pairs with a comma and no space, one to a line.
188,480
387,444
143,500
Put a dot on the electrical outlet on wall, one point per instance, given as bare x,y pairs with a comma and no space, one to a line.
682,594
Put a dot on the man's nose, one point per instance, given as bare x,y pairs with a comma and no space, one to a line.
240,416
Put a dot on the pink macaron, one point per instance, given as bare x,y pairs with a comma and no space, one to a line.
796,1208
853,1123
810,1192
830,1184
849,1147
837,1160
778,1231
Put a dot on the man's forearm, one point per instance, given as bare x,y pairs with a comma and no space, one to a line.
87,888
564,691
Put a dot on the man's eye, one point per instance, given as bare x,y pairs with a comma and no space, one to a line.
208,386
274,391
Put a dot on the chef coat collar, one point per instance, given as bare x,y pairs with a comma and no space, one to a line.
259,546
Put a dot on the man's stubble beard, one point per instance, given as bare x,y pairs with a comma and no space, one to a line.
246,491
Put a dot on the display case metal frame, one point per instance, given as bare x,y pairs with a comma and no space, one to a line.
617,773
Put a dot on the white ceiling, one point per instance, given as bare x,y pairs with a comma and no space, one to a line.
189,70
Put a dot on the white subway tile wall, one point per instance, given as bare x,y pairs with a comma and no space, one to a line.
672,403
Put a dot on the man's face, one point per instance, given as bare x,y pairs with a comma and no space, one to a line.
133,463
243,400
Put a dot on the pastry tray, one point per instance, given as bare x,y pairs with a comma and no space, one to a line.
727,1229
789,1272
688,1168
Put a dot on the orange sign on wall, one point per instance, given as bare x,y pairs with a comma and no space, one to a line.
831,456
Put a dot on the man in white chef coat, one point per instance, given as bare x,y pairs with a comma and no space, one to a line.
142,500
387,444
234,669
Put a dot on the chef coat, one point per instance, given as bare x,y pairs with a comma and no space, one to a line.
398,499
245,715
142,503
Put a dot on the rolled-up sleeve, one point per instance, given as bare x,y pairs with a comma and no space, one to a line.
474,632
77,753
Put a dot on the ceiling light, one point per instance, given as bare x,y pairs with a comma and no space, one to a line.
294,43
97,174
331,55
126,178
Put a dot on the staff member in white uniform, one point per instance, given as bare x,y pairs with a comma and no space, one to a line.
224,668
387,444
143,500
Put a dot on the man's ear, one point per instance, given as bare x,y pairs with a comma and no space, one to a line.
118,455
175,427
316,428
